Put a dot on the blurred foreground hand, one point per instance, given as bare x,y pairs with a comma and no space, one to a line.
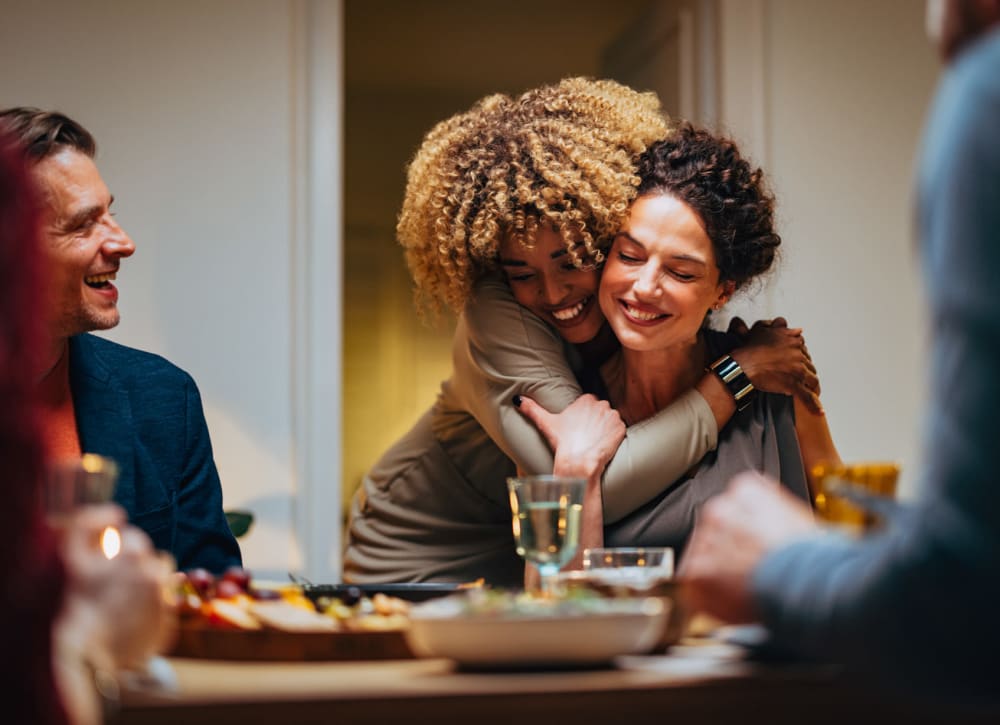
733,533
122,606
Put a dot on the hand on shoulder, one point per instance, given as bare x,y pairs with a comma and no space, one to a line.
584,436
775,358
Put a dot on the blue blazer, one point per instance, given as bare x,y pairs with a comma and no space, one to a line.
146,414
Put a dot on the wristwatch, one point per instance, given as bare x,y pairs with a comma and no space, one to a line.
733,377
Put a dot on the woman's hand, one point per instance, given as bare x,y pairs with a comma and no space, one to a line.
775,358
584,437
118,605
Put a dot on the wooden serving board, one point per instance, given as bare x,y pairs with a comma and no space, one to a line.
204,642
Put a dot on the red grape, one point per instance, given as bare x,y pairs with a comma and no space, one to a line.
202,581
238,576
227,589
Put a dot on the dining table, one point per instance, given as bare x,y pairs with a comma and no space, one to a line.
694,682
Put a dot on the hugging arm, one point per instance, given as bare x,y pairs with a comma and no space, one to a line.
776,361
584,436
502,350
775,358
815,441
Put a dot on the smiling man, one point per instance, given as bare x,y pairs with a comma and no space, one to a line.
101,397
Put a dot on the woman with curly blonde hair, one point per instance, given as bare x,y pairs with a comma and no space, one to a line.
561,156
509,211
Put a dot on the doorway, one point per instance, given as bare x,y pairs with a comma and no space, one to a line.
409,65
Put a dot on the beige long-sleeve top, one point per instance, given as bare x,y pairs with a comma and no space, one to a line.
435,507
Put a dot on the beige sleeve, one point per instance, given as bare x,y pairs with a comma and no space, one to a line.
501,349
656,452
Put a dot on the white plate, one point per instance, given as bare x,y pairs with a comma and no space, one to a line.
517,638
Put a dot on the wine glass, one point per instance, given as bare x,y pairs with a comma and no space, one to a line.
546,512
77,482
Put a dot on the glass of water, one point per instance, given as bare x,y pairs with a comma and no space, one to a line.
635,568
546,516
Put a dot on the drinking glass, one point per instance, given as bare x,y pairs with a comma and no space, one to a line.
636,568
82,481
71,485
546,512
641,571
850,494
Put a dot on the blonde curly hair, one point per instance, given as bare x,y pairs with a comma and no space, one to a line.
562,155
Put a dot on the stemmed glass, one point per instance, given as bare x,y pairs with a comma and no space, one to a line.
546,512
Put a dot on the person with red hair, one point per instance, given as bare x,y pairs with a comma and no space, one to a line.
30,569
69,617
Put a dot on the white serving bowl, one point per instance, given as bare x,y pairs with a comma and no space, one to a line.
444,628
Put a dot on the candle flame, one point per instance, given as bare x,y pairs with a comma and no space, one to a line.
111,542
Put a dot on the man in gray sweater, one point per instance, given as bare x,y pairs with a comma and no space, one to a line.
919,604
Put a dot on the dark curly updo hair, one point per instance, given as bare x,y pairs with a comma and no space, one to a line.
707,173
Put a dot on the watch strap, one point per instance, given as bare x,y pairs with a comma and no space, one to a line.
735,380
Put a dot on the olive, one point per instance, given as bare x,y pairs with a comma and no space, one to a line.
264,595
351,596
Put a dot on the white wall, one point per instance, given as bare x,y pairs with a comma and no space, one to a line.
830,98
202,113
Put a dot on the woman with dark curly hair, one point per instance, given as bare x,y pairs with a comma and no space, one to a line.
509,211
701,228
